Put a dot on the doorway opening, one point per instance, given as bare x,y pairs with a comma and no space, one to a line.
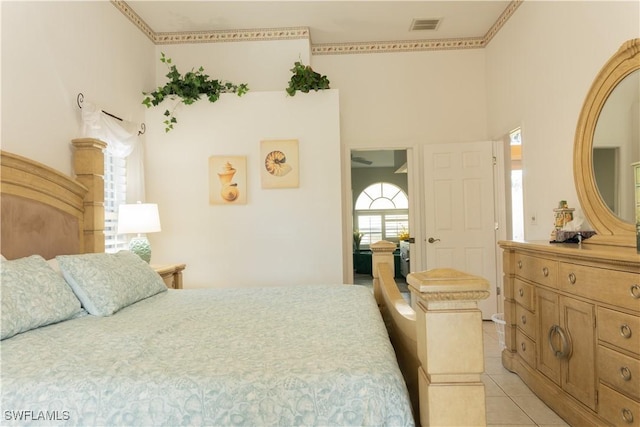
380,196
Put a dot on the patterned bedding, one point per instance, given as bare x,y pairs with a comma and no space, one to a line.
307,355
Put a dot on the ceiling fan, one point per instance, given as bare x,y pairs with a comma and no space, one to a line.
362,160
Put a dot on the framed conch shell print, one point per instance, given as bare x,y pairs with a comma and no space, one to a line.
227,180
279,163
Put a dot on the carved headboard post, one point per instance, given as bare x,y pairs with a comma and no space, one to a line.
381,253
88,164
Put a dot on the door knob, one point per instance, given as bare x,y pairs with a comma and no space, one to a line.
432,240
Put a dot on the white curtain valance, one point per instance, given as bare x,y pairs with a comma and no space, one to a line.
122,141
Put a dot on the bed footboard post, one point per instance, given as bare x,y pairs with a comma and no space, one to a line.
381,253
88,164
450,347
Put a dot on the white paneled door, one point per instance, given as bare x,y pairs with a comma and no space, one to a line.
459,212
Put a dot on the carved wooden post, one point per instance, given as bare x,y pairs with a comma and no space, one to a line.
450,346
381,252
88,164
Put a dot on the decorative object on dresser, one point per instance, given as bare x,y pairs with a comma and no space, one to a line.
139,218
572,313
563,214
171,274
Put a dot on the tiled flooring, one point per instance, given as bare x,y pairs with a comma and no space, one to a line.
509,401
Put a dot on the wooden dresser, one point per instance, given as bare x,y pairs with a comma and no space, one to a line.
573,328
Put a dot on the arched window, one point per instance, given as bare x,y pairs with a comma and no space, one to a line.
381,213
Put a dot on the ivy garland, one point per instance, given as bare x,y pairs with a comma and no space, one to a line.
188,88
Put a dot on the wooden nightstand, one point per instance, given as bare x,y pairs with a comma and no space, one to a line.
171,274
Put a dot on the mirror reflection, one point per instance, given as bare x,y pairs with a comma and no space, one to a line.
616,145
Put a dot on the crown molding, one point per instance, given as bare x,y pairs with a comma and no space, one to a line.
396,46
135,18
297,33
262,34
502,19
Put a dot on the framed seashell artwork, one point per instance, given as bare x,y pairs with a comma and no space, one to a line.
227,180
279,163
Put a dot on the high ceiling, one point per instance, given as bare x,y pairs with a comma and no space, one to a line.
329,21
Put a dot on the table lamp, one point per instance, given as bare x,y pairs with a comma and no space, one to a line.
139,218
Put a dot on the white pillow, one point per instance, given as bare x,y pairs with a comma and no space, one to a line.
33,295
106,283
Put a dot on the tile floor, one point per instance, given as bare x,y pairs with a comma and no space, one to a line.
509,401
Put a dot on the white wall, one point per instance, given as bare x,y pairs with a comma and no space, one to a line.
53,50
539,69
281,236
409,99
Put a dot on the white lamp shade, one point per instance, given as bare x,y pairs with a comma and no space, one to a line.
138,218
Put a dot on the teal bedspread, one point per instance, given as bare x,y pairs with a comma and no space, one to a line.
306,355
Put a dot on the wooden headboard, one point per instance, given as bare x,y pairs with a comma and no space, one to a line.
45,212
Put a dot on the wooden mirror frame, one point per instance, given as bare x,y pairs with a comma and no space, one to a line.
610,229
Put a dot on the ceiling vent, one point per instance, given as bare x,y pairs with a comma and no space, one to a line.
424,24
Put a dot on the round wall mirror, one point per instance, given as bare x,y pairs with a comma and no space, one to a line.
607,143
616,145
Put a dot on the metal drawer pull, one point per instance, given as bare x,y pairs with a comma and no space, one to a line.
545,271
627,415
520,292
523,346
572,278
625,373
523,319
565,343
520,264
625,331
635,291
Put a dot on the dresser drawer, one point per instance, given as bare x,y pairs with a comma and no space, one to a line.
619,329
526,348
618,288
620,371
618,409
524,294
539,270
525,321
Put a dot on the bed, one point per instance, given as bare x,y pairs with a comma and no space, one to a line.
96,339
